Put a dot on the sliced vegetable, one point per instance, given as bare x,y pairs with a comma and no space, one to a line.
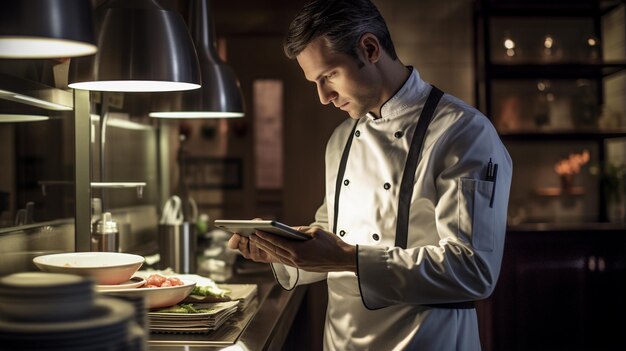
184,308
210,290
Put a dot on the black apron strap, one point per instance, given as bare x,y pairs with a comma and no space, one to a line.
340,174
408,178
407,185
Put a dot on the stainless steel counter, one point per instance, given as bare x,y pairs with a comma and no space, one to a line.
263,325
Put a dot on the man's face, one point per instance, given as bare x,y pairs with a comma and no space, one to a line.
340,80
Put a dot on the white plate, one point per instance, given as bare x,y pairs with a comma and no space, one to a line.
133,282
158,297
108,268
105,312
42,284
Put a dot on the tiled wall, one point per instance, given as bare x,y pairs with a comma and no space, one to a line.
19,245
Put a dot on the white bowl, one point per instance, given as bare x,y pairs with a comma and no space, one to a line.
157,297
134,282
107,268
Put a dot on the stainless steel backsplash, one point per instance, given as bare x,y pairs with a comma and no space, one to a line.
19,245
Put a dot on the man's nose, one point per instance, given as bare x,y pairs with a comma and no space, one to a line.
326,95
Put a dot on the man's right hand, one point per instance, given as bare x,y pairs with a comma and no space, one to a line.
248,249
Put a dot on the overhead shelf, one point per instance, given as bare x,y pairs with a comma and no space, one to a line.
562,135
555,70
108,185
529,8
35,94
540,11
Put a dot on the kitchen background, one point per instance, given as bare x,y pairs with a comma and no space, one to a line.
550,75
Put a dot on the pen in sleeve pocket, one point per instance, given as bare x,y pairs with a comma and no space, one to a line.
493,177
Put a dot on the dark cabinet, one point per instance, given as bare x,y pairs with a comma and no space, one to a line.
561,289
607,293
551,75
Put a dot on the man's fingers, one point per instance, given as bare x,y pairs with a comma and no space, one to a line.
233,242
272,250
244,247
256,253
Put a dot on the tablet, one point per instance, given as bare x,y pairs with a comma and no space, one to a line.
247,227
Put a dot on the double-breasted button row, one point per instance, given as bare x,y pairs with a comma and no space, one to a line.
386,186
375,236
399,134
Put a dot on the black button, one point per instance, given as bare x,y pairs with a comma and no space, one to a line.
342,232
398,134
346,182
387,186
357,133
375,236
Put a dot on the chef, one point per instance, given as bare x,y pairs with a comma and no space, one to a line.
411,231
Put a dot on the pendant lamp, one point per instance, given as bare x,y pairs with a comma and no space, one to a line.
142,48
220,95
46,29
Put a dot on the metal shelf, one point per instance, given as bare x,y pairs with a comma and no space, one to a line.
35,94
554,70
102,185
548,9
562,135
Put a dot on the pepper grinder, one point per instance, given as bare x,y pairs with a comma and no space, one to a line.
105,235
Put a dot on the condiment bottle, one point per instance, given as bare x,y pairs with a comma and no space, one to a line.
105,235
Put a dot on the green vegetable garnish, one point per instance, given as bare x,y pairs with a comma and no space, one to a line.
182,308
185,308
210,290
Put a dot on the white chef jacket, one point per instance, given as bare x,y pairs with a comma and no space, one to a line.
455,239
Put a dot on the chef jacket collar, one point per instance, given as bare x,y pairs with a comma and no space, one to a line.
410,93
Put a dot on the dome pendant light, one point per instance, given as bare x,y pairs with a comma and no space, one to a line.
46,29
220,95
142,48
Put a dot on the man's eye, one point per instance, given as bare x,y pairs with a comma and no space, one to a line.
330,75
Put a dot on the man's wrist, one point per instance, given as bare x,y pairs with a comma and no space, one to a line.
351,252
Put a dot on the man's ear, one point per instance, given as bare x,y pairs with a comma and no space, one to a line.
370,47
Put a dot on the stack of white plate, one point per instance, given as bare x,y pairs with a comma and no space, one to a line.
141,308
47,311
139,331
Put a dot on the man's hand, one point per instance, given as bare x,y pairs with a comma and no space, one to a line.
248,249
324,252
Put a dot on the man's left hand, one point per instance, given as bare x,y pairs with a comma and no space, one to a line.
324,252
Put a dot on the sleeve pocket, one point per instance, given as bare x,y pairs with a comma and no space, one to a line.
476,218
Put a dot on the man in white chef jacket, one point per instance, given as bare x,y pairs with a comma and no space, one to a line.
412,228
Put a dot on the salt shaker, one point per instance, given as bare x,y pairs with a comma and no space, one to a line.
105,235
